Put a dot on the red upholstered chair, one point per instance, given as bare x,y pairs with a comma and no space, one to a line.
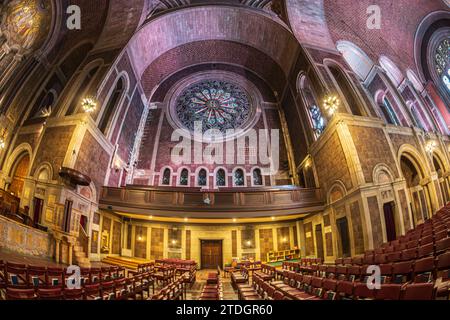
73,294
354,273
401,272
423,269
409,254
426,240
440,235
17,276
443,266
393,257
329,286
121,289
412,243
95,275
278,295
50,294
338,261
54,277
357,261
425,250
20,294
418,291
341,272
361,291
347,261
344,290
369,259
108,290
105,274
37,276
389,292
442,245
92,292
386,271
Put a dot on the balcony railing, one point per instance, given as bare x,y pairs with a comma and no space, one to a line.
223,203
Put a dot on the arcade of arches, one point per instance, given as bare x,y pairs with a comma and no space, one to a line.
91,123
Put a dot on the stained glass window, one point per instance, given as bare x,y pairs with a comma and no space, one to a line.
239,177
389,113
202,177
317,120
216,104
442,60
220,178
166,177
184,177
257,177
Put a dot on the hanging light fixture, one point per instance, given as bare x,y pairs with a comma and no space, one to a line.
89,104
331,104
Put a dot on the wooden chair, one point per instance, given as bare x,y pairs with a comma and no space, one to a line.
20,294
73,294
50,294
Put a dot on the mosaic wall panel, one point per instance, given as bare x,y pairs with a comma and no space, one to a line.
106,235
265,242
116,238
188,244
375,220
329,244
96,218
294,230
174,238
284,239
248,238
404,207
94,241
358,236
129,235
140,242
157,248
234,243
309,239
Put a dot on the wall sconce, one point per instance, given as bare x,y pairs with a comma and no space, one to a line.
234,219
249,243
117,165
140,238
331,104
284,240
89,105
273,218
174,241
430,146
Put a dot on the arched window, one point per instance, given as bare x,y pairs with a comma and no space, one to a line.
392,71
315,115
239,177
442,62
257,177
44,105
111,106
220,178
82,91
166,177
184,177
415,114
346,88
356,58
388,112
202,179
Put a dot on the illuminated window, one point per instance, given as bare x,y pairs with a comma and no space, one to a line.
184,177
202,178
388,112
220,178
257,177
239,177
166,177
442,62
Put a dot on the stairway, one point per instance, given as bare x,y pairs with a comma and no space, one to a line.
128,263
80,257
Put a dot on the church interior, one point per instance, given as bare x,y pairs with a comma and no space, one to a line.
224,150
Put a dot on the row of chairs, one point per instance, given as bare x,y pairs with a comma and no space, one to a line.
29,276
213,291
119,289
175,290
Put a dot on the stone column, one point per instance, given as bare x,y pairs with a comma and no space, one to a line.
57,248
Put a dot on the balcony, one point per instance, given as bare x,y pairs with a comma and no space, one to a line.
211,204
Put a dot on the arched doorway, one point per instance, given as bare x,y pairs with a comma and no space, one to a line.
19,172
420,201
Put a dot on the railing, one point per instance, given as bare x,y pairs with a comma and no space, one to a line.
223,203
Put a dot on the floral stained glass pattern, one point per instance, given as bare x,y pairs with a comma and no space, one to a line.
220,178
239,177
442,59
184,177
216,104
202,177
317,120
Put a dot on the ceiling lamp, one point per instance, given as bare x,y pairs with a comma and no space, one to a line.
331,104
89,105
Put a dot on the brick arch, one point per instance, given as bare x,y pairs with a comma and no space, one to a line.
217,22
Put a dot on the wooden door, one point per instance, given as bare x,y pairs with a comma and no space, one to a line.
389,219
319,242
211,251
